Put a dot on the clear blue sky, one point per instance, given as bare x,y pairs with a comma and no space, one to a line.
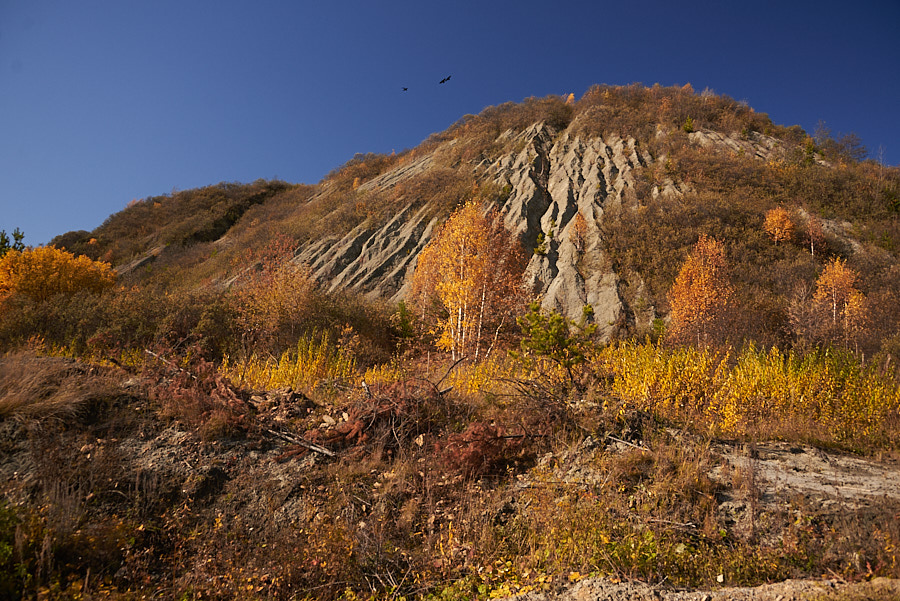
105,101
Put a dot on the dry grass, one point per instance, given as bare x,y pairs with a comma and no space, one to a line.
826,396
429,495
41,388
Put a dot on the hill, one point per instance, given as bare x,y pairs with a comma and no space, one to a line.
647,169
636,345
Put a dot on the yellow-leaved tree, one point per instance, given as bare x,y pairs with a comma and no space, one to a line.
837,312
468,281
778,224
836,288
702,296
41,273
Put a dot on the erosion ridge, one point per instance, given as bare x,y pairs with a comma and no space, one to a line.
548,178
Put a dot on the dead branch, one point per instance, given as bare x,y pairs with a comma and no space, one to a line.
630,444
169,363
303,443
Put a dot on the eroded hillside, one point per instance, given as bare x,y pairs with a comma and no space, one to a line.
605,194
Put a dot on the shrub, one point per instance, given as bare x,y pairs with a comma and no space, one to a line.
17,551
41,273
199,396
315,360
273,298
824,395
480,450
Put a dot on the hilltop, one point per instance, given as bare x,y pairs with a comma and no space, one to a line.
648,169
641,344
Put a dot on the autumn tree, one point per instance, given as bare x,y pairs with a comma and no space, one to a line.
467,280
702,296
579,232
837,311
273,298
835,287
778,224
814,233
837,294
41,273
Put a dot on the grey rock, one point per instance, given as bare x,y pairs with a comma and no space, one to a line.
551,176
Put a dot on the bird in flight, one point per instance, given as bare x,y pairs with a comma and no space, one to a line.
405,89
445,80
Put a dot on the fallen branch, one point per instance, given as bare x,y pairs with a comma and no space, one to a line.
169,363
303,443
455,363
630,444
670,522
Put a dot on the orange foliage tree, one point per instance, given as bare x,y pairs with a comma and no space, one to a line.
273,298
43,272
468,280
702,296
779,225
838,310
836,290
579,232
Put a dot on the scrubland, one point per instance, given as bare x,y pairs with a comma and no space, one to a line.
214,423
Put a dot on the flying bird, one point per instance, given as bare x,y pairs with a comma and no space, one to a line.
405,89
445,80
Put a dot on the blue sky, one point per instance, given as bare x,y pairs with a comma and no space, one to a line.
102,102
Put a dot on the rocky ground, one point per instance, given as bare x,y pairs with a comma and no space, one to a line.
597,589
764,478
117,458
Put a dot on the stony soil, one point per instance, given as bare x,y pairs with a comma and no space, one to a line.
153,460
762,478
598,589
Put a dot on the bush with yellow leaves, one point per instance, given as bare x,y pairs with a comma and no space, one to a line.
41,273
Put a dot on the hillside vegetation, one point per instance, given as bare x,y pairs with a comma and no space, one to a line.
517,355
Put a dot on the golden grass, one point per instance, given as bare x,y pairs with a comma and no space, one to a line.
314,361
34,387
824,395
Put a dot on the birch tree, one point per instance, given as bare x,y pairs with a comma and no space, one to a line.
778,224
702,295
468,281
837,311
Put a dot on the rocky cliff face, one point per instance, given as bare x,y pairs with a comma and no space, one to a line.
377,260
548,179
552,180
